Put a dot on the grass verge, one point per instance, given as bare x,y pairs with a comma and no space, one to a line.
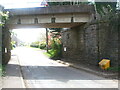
114,69
47,54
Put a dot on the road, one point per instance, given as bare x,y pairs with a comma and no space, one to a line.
41,72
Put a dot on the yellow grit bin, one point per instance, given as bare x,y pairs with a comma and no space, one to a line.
104,64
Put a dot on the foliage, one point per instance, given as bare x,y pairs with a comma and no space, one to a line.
12,44
47,54
111,17
43,45
35,44
4,18
114,69
56,48
104,8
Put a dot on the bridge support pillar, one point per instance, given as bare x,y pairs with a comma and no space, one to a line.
6,45
1,9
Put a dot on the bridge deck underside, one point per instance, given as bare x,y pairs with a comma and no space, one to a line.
45,25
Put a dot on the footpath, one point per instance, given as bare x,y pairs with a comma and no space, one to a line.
13,77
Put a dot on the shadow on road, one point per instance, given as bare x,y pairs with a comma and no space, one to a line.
58,73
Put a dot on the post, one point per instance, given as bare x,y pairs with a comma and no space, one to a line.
47,39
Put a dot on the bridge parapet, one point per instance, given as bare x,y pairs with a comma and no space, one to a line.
53,10
51,17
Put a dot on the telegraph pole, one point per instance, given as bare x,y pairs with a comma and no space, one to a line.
47,39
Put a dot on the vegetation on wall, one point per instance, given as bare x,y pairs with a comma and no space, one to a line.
4,17
105,7
108,12
105,10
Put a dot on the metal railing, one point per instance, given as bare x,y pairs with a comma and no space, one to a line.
66,3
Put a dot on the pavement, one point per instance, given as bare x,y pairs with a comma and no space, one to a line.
0,83
13,77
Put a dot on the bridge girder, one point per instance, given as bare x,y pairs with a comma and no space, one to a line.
51,17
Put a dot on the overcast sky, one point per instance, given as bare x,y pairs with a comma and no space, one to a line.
20,3
34,3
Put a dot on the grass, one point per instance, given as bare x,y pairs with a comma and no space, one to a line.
50,53
53,54
33,48
114,69
47,54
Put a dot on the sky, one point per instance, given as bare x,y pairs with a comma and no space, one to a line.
30,35
27,3
32,3
21,3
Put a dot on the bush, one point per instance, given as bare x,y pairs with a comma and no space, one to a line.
13,45
42,46
56,51
35,44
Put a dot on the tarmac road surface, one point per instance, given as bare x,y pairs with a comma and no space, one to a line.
41,72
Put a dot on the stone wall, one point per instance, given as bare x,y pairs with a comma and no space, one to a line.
6,46
90,43
1,9
108,42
